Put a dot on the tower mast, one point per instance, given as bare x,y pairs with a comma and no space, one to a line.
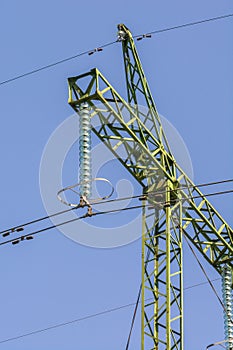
127,129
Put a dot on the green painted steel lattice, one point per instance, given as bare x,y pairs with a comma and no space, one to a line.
126,129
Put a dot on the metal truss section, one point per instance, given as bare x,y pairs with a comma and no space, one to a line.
129,134
135,136
206,223
138,90
162,284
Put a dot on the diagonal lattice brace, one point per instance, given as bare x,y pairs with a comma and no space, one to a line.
135,136
149,162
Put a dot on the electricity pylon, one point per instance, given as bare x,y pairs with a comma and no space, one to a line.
177,206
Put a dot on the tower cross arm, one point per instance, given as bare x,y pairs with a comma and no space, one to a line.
129,131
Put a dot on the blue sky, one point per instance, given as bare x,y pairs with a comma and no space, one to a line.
51,279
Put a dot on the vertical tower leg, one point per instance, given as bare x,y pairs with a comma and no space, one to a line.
162,299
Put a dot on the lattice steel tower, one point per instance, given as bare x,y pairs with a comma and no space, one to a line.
178,206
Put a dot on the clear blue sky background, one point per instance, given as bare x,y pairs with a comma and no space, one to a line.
52,279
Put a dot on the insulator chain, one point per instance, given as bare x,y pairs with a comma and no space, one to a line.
228,304
85,171
84,185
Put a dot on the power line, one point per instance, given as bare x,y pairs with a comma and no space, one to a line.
18,228
138,300
100,48
212,287
21,238
68,322
133,318
29,235
111,211
202,283
139,294
52,65
86,317
219,343
205,273
189,24
183,187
